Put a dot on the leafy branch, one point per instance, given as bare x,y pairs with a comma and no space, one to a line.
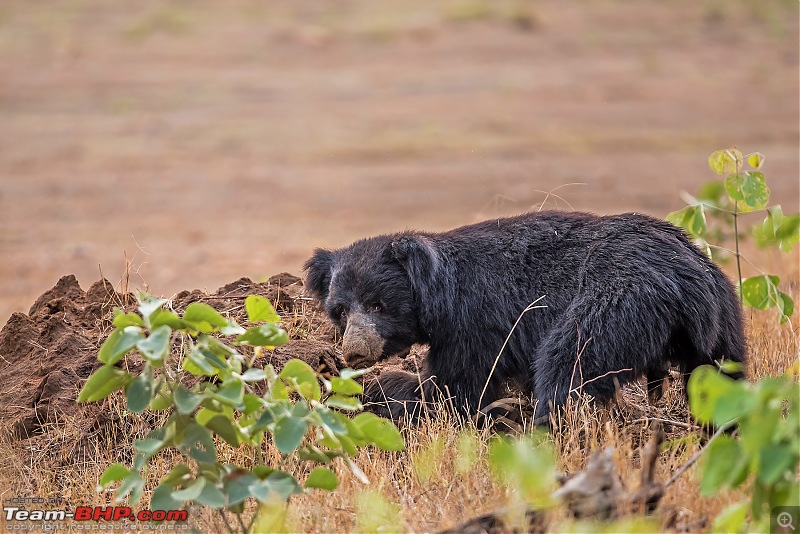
742,192
304,413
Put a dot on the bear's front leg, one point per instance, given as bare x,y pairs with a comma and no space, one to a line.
395,395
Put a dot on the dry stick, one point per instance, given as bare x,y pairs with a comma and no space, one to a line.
531,306
550,193
736,233
576,365
578,388
241,523
668,421
424,405
699,453
225,520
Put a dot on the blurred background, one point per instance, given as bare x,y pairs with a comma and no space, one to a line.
204,141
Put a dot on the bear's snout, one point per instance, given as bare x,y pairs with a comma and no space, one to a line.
362,345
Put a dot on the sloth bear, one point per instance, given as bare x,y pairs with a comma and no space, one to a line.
620,296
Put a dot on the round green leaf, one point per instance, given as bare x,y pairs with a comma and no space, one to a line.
203,317
231,393
335,422
168,318
322,478
232,329
379,431
300,373
732,404
186,401
223,427
102,383
162,499
203,359
147,305
711,192
254,375
198,443
277,484
690,218
161,401
732,518
776,461
122,319
785,306
748,189
725,161
722,455
196,365
755,160
344,403
260,309
132,485
139,392
759,291
289,432
156,346
119,343
113,473
148,446
346,386
190,492
178,475
705,387
237,486
211,496
252,404
266,335
310,453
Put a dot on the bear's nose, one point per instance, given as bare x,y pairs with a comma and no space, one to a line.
362,345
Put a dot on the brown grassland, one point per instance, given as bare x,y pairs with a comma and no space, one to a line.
426,487
224,139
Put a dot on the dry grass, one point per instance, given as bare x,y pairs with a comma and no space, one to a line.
440,480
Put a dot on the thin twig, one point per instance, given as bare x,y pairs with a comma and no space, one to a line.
245,530
531,306
576,389
736,238
576,365
753,265
668,421
550,193
225,520
698,454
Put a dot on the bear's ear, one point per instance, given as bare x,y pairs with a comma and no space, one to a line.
419,257
318,268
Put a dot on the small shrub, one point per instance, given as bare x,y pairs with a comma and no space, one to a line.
762,454
303,412
742,192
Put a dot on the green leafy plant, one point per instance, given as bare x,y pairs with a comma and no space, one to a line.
527,467
762,453
725,202
303,412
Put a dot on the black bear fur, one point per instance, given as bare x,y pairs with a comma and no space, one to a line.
621,292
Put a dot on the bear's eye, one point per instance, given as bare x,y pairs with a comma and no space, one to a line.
376,307
339,312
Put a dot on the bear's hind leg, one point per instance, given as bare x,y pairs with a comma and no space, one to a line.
601,342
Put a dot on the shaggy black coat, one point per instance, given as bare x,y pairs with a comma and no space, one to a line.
625,295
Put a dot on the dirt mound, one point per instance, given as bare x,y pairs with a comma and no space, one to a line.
46,355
